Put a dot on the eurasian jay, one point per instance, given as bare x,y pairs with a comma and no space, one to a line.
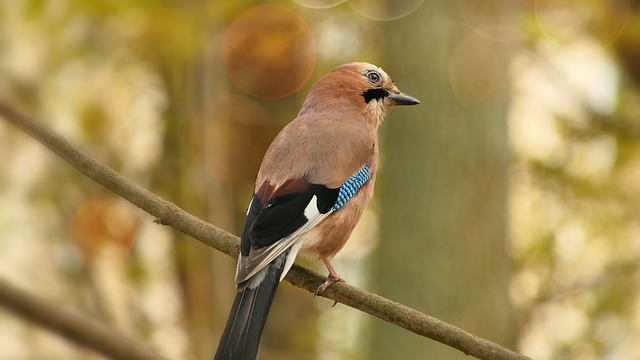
315,181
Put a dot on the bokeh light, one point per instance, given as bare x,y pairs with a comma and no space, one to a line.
491,19
339,39
269,51
564,22
385,10
319,4
103,222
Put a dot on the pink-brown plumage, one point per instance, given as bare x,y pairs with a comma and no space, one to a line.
316,147
315,159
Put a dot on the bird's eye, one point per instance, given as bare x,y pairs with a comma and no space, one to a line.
373,77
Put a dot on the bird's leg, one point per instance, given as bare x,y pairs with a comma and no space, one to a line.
332,278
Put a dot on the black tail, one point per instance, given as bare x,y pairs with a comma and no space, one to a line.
242,334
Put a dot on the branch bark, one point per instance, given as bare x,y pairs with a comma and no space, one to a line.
168,213
73,326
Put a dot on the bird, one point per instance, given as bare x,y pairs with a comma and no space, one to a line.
315,181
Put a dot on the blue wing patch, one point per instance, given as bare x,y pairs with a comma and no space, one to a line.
351,186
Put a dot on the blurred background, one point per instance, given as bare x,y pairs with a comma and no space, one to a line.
506,204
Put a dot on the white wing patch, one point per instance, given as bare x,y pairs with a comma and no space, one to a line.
312,208
249,207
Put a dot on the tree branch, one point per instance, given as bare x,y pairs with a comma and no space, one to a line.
73,326
169,214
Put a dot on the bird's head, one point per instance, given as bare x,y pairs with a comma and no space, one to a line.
358,84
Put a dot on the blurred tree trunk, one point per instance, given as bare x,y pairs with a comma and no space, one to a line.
178,184
443,185
184,65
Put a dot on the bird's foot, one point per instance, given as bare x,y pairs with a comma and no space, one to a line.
331,279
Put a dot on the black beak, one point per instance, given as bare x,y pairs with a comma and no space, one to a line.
403,99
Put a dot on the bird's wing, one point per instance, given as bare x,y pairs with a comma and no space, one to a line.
278,216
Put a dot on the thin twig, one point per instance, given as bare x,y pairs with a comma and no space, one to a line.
169,214
73,326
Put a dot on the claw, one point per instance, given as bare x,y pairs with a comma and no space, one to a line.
332,278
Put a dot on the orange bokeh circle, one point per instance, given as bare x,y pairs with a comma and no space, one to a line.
269,51
102,222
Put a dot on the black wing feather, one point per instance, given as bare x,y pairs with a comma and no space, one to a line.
282,215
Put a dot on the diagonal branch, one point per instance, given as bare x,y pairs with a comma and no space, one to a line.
168,213
73,326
